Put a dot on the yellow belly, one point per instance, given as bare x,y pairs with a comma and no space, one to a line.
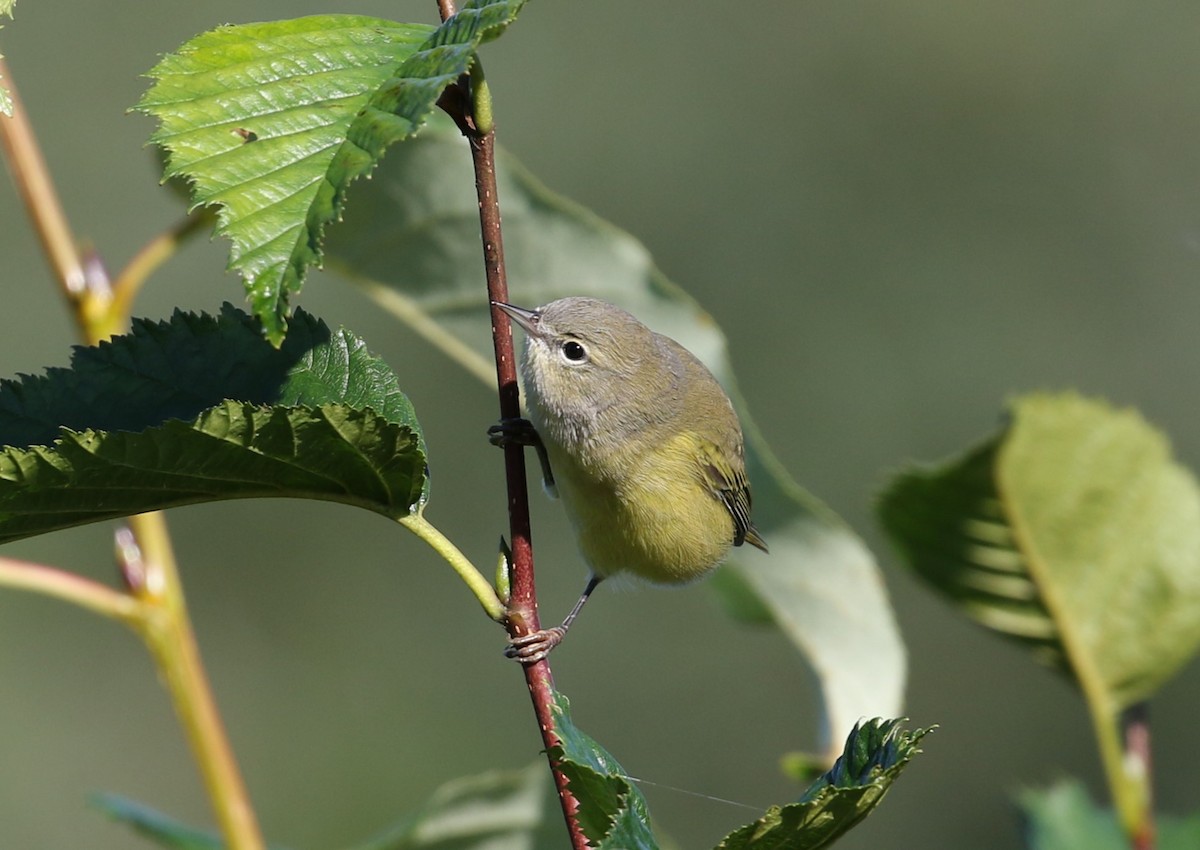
658,522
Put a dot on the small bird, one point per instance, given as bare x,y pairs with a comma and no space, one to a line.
639,440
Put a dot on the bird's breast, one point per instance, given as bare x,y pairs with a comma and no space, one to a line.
643,511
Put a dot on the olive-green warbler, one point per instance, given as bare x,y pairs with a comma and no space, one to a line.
640,442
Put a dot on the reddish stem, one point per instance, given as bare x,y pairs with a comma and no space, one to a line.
1135,728
522,606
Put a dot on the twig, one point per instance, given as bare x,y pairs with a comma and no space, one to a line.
463,105
471,576
29,172
172,642
85,593
522,612
1135,729
161,616
152,255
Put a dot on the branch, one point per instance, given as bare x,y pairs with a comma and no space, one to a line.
72,588
470,107
522,609
32,177
160,614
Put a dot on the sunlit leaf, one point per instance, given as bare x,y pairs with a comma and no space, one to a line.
202,408
1072,531
273,121
412,242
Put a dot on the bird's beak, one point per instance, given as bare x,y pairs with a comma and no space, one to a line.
527,319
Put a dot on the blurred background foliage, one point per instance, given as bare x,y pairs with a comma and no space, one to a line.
899,213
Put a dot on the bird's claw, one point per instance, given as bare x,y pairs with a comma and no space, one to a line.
533,647
513,432
520,432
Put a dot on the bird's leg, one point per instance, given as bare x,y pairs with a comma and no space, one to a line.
520,432
533,647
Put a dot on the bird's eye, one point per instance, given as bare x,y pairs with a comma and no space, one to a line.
574,352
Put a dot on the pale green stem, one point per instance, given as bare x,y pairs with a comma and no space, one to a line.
1126,782
172,642
69,587
468,572
161,618
152,255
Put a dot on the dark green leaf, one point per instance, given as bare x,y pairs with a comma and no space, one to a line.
873,757
612,812
413,244
1072,531
202,408
273,121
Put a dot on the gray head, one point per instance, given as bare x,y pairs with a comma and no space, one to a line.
586,358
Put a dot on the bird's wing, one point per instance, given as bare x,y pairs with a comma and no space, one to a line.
728,483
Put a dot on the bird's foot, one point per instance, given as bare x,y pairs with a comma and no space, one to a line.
533,647
520,432
513,432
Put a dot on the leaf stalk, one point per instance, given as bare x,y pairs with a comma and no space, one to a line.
468,572
151,256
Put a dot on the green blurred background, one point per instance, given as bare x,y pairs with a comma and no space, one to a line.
900,213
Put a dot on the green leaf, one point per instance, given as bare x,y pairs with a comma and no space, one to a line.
413,244
1064,818
874,755
1072,531
612,812
491,811
161,829
202,408
273,121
